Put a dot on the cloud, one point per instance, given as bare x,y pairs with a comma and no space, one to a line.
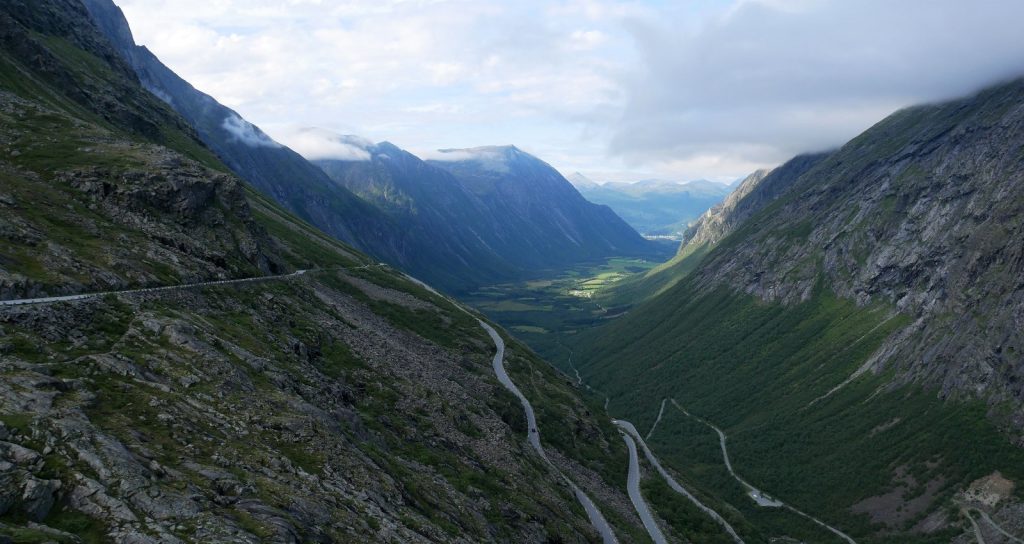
624,88
494,159
766,80
321,144
247,133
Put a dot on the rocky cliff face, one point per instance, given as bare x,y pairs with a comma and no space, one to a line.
923,212
273,169
754,193
852,322
345,404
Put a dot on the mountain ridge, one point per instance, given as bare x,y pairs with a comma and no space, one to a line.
454,258
657,207
341,404
858,312
496,213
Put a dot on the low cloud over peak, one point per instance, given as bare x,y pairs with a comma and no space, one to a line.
320,144
245,132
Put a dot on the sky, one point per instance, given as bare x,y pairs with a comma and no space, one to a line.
617,90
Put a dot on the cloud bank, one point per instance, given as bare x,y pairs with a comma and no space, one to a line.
767,80
616,89
321,144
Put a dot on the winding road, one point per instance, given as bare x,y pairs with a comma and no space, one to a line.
629,429
978,535
636,497
83,296
596,518
756,494
984,515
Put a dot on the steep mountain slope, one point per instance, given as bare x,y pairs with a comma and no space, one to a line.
754,193
472,230
431,243
540,219
342,404
273,169
657,207
858,337
450,229
751,195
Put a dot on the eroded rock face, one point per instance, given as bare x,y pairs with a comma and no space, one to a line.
188,223
287,412
923,212
342,405
755,192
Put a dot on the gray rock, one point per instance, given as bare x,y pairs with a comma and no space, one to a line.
38,497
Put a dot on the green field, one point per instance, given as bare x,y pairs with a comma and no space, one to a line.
545,312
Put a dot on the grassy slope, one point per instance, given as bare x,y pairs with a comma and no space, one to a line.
753,369
641,287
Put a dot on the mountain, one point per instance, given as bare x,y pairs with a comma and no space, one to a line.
452,238
657,207
430,243
580,182
478,226
852,324
539,219
281,387
270,167
753,193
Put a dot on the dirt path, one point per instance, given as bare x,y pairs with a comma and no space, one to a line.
661,412
756,494
996,526
977,530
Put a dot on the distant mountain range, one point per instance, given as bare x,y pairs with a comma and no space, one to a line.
654,207
445,222
488,214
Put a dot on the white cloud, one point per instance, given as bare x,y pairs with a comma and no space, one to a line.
769,79
243,131
321,144
703,88
489,158
583,40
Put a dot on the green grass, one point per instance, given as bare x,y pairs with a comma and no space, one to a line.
754,369
638,288
545,312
